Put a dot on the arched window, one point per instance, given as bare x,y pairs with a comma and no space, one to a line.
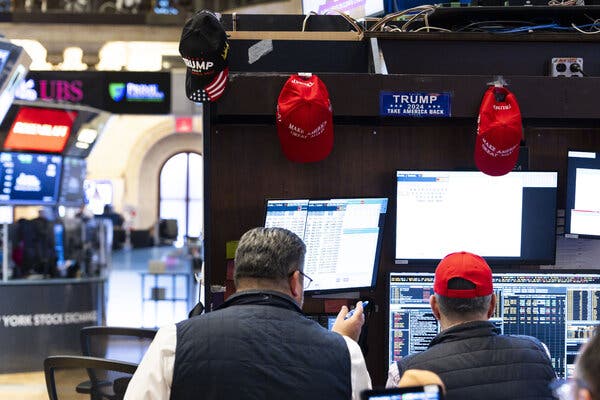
181,191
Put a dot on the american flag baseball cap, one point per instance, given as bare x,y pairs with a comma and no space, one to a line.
205,52
499,132
305,119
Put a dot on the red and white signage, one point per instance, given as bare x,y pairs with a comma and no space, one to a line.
40,129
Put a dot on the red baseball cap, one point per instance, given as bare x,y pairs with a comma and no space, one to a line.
305,119
467,266
499,132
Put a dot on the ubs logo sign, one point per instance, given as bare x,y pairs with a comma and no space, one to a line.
51,89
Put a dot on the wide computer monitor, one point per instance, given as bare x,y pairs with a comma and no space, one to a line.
559,309
72,193
29,178
355,9
582,209
508,220
342,236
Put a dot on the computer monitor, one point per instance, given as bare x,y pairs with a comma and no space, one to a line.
29,178
582,209
559,309
342,237
355,9
74,173
508,220
40,129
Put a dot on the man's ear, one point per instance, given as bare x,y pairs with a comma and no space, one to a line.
434,306
295,284
492,308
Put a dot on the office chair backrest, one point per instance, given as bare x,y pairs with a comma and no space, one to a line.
79,377
116,343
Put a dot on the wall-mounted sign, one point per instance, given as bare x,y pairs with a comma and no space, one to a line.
118,92
414,104
40,129
138,93
72,87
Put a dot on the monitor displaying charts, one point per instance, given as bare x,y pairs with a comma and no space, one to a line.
559,309
342,237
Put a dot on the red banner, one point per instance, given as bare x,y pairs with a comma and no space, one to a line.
40,129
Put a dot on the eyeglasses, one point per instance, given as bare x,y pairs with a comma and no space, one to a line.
307,279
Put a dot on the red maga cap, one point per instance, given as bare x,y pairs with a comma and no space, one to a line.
305,119
499,132
468,266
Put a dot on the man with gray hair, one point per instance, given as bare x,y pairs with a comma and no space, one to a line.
469,354
258,344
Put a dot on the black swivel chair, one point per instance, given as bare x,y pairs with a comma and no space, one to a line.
116,343
106,379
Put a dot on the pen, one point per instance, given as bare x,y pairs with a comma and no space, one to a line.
351,313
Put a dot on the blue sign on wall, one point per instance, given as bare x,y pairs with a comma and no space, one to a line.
414,104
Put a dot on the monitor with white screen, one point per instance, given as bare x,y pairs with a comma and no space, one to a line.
582,209
508,220
559,309
354,8
342,237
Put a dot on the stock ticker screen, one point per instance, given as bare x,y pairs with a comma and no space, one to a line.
561,310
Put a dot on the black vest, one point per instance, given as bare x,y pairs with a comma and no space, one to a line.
259,345
475,362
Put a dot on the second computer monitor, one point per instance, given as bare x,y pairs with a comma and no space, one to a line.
342,236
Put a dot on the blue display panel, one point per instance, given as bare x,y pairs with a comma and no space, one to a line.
29,179
342,237
561,310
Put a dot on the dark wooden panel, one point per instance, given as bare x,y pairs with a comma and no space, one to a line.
357,95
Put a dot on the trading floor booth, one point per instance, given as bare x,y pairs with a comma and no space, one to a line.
375,150
55,288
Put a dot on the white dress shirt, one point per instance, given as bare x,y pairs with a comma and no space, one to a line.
154,376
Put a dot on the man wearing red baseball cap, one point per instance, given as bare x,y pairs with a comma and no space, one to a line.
469,354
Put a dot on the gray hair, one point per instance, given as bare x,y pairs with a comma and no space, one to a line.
461,309
268,253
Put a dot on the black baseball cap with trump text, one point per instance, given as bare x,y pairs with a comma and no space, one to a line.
205,51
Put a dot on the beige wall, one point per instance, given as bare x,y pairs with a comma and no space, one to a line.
131,152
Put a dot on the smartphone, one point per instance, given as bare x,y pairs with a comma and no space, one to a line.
426,392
